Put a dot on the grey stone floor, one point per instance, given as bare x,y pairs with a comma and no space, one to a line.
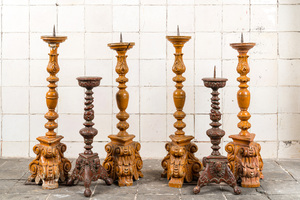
281,183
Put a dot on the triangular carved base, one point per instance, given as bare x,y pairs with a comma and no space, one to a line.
245,160
50,166
123,161
216,171
180,164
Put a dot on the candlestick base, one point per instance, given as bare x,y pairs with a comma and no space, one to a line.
88,169
245,160
123,161
50,166
180,163
216,171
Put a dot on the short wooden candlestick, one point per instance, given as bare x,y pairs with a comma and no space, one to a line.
123,161
88,167
50,166
180,163
216,165
243,153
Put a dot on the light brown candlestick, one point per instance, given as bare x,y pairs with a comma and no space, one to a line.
243,153
50,166
123,161
180,163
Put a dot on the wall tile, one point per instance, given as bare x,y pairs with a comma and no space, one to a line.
38,100
288,149
11,102
69,71
11,132
265,150
153,73
39,2
211,12
229,72
103,123
288,43
185,20
288,123
151,49
230,127
37,126
230,100
153,128
288,99
9,149
39,49
202,100
9,40
69,127
71,18
150,22
153,150
42,18
126,18
15,72
102,100
263,100
263,1
263,17
288,71
66,102
287,17
235,18
98,18
153,100
263,72
266,131
15,19
208,45
96,46
266,45
201,126
74,41
38,73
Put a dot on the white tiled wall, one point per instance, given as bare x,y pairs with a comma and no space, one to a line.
91,24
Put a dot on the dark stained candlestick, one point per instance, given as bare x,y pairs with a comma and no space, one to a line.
216,166
88,167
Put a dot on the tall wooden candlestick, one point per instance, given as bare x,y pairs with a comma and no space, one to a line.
216,165
243,153
88,167
50,166
123,161
180,163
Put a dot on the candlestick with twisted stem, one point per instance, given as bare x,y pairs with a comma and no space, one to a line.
216,166
180,163
123,161
88,167
243,153
50,166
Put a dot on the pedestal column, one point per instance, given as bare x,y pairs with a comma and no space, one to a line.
88,167
180,163
243,153
123,161
50,166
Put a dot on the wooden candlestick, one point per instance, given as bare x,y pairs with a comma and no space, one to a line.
123,161
243,153
50,166
180,163
88,167
216,166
